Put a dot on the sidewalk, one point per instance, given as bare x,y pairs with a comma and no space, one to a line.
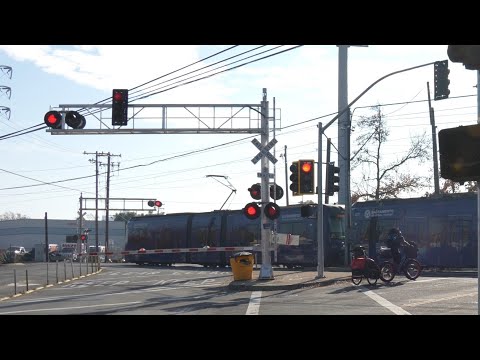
288,279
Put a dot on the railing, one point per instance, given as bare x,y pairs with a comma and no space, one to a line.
18,278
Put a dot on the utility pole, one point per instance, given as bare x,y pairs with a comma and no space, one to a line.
321,130
436,179
97,154
287,190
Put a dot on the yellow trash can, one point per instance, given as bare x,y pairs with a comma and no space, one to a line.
242,265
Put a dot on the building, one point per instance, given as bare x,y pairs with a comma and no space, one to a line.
31,232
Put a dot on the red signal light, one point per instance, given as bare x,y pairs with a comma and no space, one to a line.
306,167
53,119
158,203
272,211
255,191
117,96
83,237
251,211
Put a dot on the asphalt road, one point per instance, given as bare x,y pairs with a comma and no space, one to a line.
128,289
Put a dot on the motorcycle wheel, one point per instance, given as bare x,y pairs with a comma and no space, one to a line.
387,271
412,269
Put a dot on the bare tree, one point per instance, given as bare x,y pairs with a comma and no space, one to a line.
381,179
451,187
12,216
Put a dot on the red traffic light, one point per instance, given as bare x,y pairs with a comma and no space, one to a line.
272,211
117,95
158,203
53,119
83,237
306,166
251,211
255,191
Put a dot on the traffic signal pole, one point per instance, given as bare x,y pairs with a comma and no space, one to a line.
321,130
478,202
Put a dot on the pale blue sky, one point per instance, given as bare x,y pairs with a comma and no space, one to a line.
303,82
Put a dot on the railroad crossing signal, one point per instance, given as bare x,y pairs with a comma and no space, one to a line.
255,191
251,211
74,119
264,151
156,203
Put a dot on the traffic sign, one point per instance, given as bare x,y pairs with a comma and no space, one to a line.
264,151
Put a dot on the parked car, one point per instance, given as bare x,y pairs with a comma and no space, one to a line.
16,250
63,254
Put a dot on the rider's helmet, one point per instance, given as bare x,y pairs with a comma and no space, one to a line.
393,235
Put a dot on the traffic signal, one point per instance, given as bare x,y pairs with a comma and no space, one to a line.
278,194
84,237
469,55
120,107
251,211
441,80
75,120
153,203
306,177
294,186
332,179
271,211
53,119
459,155
255,191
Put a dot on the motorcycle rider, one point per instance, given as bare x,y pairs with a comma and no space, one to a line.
395,241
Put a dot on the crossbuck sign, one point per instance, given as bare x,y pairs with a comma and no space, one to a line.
264,151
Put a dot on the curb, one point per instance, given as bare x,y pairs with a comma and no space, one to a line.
245,286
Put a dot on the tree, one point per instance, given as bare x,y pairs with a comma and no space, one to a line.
388,180
451,187
124,216
12,216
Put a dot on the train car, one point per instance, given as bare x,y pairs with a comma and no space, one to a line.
444,227
294,239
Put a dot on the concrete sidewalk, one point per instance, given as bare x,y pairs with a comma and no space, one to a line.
287,279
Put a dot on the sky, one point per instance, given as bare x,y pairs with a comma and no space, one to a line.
302,82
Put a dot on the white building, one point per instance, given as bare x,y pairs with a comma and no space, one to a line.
31,232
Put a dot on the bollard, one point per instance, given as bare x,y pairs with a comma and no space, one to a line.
73,274
15,281
64,269
56,270
26,277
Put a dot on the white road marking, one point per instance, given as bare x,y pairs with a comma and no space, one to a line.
254,304
385,303
429,301
69,308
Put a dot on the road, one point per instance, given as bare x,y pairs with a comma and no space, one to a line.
193,290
